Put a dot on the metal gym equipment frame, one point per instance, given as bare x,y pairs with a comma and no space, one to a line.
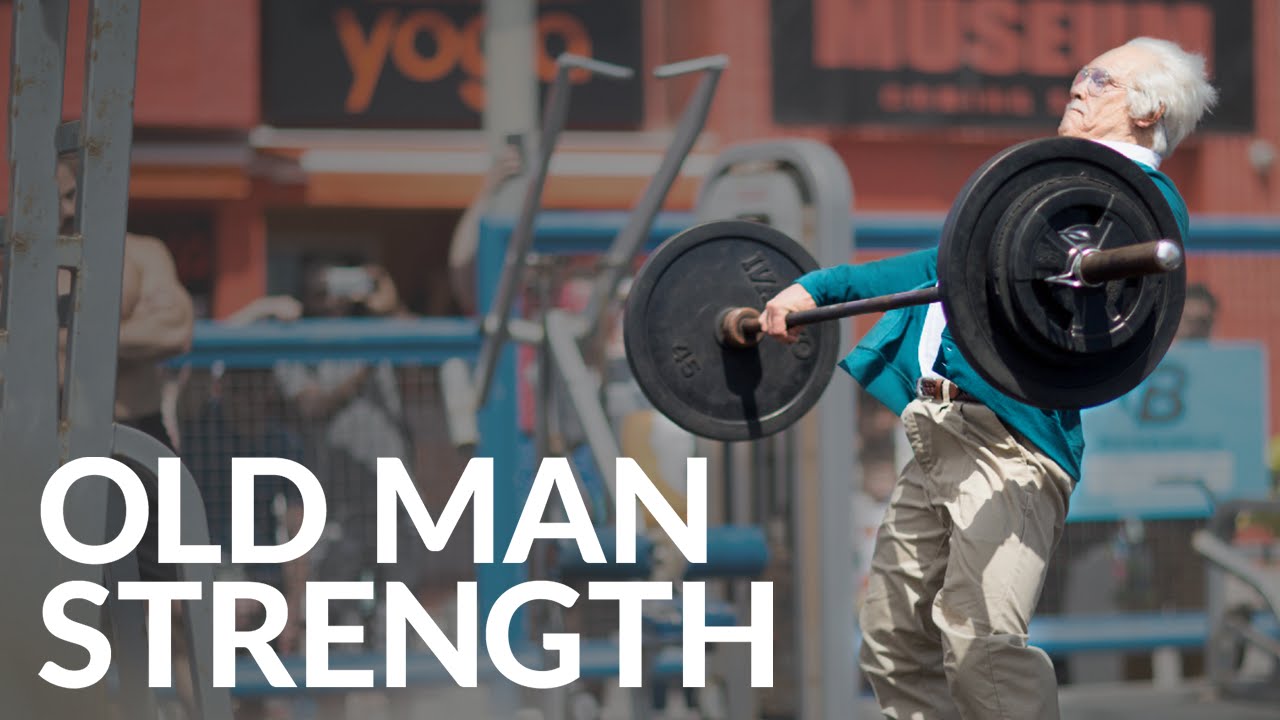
1232,630
467,391
821,482
39,430
558,336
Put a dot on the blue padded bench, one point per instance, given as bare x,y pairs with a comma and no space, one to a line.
1137,632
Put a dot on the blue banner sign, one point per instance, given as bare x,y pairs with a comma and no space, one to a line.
1199,421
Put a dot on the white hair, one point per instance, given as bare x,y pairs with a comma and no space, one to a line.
1177,83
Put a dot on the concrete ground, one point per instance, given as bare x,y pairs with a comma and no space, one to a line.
1140,701
1090,702
1108,702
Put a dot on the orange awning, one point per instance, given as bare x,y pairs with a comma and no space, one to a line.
445,169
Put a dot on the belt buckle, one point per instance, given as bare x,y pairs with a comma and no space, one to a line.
921,393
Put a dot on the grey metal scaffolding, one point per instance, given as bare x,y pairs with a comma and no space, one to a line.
42,428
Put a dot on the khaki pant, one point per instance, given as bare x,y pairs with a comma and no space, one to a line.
958,566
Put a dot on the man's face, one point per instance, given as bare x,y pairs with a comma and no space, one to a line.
317,301
66,199
1197,320
1099,106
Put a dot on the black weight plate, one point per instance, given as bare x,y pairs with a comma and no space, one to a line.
1036,239
670,333
1054,347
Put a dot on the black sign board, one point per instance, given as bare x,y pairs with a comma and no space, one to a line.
987,63
420,64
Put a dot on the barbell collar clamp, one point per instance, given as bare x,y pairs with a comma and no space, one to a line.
1091,267
739,327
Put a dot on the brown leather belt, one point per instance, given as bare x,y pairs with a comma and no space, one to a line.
933,388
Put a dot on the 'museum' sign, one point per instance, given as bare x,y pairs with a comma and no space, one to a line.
985,62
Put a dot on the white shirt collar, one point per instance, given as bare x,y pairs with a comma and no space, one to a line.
1136,153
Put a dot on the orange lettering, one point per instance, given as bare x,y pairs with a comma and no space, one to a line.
1046,39
995,47
1056,99
872,38
405,49
1111,29
833,20
949,99
472,89
918,97
890,97
1152,19
933,35
576,41
1020,101
993,100
365,56
1194,30
1083,27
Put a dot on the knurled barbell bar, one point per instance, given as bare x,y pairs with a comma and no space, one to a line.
1090,267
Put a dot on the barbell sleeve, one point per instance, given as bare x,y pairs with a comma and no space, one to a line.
1149,258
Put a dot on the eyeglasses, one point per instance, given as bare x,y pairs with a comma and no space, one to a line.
1098,80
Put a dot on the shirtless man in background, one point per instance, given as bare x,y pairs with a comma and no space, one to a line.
156,322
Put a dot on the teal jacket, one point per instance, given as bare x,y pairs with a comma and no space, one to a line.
886,361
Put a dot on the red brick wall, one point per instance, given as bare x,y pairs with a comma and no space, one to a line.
197,65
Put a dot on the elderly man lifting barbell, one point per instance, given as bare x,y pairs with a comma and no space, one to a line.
961,555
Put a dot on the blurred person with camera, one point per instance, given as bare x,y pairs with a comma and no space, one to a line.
349,413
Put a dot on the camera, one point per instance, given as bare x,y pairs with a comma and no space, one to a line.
348,283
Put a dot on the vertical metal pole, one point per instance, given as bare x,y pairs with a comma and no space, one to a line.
102,199
837,462
102,205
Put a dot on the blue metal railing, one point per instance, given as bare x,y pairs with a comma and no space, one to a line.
426,341
567,231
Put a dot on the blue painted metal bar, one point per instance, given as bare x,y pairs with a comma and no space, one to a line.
426,341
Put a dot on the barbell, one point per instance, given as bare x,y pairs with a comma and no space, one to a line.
1059,271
